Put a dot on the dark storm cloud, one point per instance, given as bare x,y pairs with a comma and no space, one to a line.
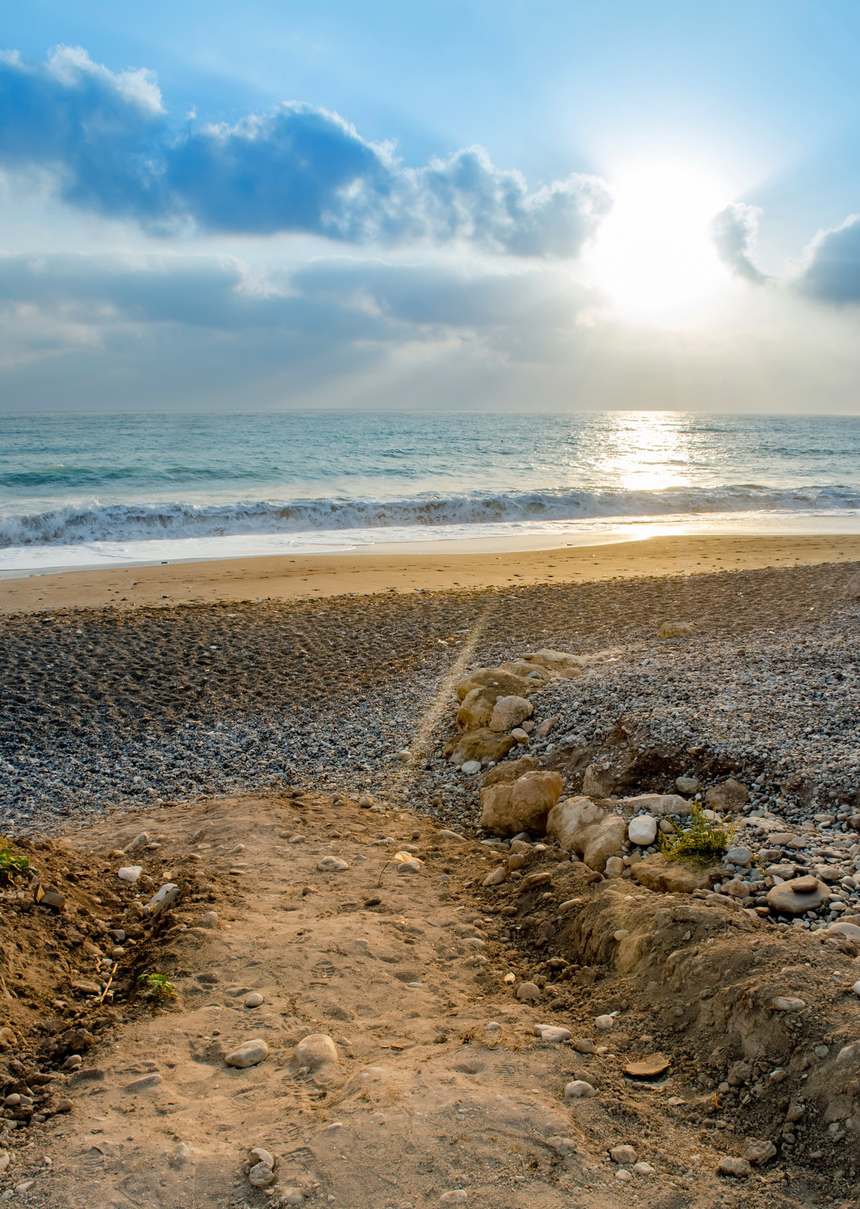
114,151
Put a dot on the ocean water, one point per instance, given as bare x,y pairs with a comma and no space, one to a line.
87,490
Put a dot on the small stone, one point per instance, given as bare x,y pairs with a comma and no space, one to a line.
253,1000
130,873
614,867
758,1152
249,1053
642,830
739,1168
644,1169
648,1068
521,736
583,1046
471,768
453,836
675,629
604,1023
261,1176
315,1051
457,1196
552,1032
578,1089
856,988
624,1155
528,992
739,855
209,919
688,785
332,864
786,1004
264,1156
5,1159
293,1196
496,876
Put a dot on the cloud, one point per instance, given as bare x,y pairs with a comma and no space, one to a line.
734,232
111,145
831,269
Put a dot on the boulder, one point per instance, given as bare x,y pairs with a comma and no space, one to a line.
507,809
632,758
476,708
559,663
539,676
511,770
729,795
671,877
509,712
483,745
581,826
506,684
799,895
661,805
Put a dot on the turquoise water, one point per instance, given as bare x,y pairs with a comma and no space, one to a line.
81,490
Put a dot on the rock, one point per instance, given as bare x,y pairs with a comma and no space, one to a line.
730,795
261,1176
671,877
5,1159
581,826
844,928
471,768
547,726
404,756
315,1051
292,1196
522,806
783,1003
505,683
263,1156
332,864
413,865
739,1168
578,1089
453,836
563,1146
482,744
456,1196
509,771
604,1023
661,805
130,873
255,999
163,898
852,588
648,1068
496,877
675,629
145,1084
738,855
209,919
529,992
509,712
249,1053
625,1155
758,1152
552,1032
614,867
477,708
642,830
799,895
559,663
521,736
688,785
644,1169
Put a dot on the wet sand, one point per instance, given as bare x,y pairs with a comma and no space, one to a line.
432,567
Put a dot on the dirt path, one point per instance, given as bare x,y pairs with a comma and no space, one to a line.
441,1092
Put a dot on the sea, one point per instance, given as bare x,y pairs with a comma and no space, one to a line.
96,490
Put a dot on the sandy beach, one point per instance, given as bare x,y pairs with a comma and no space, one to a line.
429,566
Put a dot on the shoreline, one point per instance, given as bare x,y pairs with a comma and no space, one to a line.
473,565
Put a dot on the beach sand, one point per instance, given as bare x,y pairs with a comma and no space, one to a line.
429,566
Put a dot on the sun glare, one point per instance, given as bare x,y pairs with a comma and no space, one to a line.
653,255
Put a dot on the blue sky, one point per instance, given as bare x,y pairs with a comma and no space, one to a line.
553,205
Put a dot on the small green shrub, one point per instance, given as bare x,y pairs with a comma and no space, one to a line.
157,990
705,842
12,865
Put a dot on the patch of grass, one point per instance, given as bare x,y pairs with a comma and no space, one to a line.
157,990
705,842
12,864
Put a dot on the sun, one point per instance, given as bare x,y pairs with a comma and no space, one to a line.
653,255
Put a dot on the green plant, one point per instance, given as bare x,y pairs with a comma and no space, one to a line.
705,842
12,865
157,990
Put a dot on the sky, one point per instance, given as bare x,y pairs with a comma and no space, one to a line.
515,206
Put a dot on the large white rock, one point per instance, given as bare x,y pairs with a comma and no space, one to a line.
509,712
642,830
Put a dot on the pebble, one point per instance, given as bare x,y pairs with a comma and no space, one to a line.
253,1000
856,988
249,1053
261,1175
739,1168
144,1084
292,1196
552,1032
129,873
604,1023
471,768
528,992
457,1196
209,919
315,1051
782,1003
739,855
642,830
332,864
625,1155
578,1089
264,1156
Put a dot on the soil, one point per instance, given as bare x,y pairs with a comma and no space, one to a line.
405,971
